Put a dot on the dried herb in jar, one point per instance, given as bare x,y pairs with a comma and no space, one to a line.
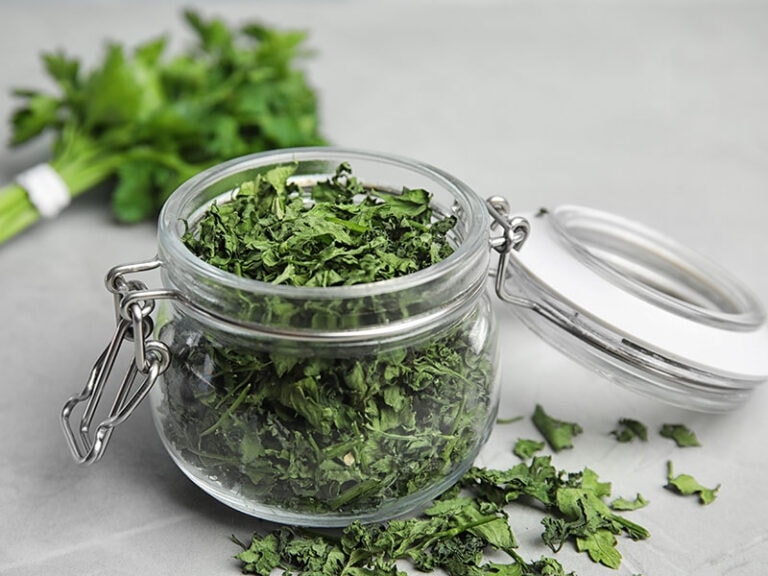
314,430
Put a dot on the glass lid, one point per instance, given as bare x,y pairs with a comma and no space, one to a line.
637,307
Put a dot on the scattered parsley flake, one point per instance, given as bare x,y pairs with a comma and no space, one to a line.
630,429
574,501
458,529
525,448
681,434
625,505
509,420
687,485
601,547
558,434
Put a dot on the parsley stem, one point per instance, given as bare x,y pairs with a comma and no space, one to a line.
11,195
228,411
512,420
455,531
355,492
81,169
409,437
16,211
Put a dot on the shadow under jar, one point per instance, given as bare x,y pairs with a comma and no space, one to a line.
320,406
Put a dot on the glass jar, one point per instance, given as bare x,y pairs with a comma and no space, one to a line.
322,406
326,405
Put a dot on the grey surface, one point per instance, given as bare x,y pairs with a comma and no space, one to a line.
654,111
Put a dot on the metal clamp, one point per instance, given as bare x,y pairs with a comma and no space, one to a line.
133,306
514,232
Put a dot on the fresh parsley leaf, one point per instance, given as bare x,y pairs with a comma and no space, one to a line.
630,429
681,434
558,434
687,485
525,448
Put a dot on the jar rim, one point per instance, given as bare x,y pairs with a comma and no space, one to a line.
475,218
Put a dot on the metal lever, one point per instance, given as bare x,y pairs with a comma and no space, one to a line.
515,230
133,304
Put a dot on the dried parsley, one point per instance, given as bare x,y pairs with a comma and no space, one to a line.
458,528
313,429
558,434
345,234
630,429
525,448
623,504
687,485
681,434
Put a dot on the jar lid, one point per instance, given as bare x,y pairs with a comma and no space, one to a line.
639,308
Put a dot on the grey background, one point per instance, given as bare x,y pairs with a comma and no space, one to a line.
653,110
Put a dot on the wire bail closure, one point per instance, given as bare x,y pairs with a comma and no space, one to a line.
133,306
514,232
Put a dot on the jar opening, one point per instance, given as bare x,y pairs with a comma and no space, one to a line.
442,285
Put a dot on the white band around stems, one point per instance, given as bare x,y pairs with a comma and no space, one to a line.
46,189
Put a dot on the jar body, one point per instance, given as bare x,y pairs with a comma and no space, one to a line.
324,406
314,435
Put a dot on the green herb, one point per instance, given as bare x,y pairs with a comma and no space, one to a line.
348,234
452,540
148,122
310,428
575,502
525,448
558,434
622,504
459,527
601,547
512,420
630,429
687,485
680,433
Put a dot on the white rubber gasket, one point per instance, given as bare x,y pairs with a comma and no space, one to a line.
46,189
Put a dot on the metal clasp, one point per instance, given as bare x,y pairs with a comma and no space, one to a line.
133,306
514,232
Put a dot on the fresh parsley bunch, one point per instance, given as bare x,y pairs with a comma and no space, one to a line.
146,122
